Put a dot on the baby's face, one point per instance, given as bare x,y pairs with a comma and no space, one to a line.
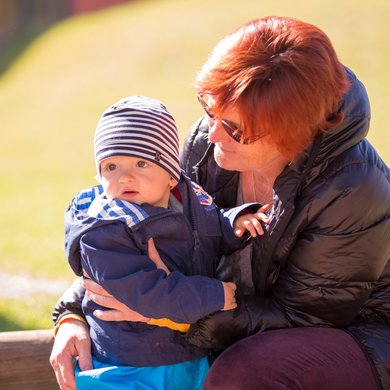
135,180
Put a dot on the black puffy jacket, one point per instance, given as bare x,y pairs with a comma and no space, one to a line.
325,258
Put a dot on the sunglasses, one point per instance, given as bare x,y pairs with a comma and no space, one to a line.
231,128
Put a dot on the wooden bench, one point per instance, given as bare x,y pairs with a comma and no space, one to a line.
24,360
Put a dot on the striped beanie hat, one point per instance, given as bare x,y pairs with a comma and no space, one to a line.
138,126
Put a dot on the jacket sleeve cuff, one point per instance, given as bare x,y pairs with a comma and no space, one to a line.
67,318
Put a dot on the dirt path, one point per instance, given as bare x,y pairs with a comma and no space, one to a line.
23,286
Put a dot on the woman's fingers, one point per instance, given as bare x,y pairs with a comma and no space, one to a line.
116,310
119,315
107,301
72,340
99,295
93,287
108,315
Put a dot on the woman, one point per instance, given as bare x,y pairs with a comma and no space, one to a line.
285,124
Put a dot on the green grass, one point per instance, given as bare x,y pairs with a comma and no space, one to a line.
21,314
53,95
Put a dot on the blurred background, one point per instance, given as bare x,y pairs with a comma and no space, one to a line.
63,62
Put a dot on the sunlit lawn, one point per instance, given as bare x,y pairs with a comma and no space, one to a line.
33,313
52,97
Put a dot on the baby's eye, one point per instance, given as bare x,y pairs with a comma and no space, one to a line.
110,167
142,164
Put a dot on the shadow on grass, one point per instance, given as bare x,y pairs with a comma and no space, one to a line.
7,324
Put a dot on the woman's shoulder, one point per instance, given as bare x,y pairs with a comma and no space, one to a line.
353,188
359,166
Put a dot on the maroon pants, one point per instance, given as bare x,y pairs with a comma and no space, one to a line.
293,359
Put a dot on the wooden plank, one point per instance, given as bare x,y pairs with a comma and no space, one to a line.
24,360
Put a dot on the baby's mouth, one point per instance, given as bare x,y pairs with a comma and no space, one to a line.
129,193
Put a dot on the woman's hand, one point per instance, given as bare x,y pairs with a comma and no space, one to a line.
72,340
117,310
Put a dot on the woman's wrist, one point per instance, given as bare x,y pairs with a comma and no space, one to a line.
68,318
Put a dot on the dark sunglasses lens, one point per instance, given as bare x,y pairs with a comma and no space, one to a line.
205,107
233,132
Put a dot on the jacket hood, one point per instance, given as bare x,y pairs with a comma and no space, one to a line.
90,209
353,128
328,145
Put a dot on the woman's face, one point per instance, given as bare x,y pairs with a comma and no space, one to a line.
231,155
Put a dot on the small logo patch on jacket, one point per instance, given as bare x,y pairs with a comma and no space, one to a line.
203,197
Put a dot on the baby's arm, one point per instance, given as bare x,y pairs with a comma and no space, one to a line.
251,222
229,288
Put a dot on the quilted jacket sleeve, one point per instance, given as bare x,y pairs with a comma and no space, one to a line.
69,302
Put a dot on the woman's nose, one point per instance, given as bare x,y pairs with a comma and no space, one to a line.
217,133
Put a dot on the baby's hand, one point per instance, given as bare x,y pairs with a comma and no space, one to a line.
229,291
251,222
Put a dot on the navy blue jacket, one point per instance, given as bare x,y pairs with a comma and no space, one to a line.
108,239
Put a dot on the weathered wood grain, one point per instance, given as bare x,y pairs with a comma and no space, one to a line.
24,360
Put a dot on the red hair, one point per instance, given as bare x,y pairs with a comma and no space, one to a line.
284,78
